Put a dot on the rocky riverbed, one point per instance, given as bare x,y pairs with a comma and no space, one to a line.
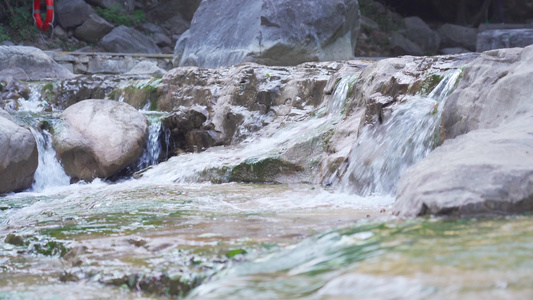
272,181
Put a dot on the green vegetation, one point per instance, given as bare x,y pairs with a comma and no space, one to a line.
19,24
118,17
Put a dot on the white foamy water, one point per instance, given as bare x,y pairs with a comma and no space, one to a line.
34,102
153,148
50,172
384,151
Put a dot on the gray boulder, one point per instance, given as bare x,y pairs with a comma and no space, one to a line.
72,13
29,63
400,45
123,39
93,29
486,163
419,32
504,38
458,36
486,171
99,138
147,68
272,32
19,157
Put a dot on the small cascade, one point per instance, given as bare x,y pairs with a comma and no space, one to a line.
384,151
50,172
152,151
342,92
34,102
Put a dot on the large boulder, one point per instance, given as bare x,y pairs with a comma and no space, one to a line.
123,5
100,138
486,165
486,171
29,63
274,32
123,39
18,155
452,35
72,13
93,29
419,32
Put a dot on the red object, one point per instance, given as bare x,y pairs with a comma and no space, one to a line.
49,14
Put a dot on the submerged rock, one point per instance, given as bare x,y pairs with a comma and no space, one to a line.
225,33
486,165
18,155
100,138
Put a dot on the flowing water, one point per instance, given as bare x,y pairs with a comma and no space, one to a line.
170,234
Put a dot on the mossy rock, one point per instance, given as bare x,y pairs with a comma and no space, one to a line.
268,170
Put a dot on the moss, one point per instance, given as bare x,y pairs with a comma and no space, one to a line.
262,170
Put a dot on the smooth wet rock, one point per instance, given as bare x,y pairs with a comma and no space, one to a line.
486,171
29,63
485,165
123,39
18,155
99,138
269,32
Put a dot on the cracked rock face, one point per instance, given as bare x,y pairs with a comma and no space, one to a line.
273,32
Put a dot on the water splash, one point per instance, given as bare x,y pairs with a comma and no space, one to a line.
34,102
50,172
384,151
153,149
342,92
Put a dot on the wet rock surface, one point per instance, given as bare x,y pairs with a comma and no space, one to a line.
485,163
18,160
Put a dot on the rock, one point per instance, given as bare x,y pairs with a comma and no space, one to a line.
166,10
29,63
106,65
19,158
503,38
10,92
486,171
485,164
122,5
99,138
72,13
400,45
93,29
148,68
453,50
162,40
458,36
177,25
419,32
123,39
65,93
269,32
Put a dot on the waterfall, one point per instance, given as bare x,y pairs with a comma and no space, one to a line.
384,151
153,149
341,94
49,171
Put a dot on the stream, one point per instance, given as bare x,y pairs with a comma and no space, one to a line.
171,233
